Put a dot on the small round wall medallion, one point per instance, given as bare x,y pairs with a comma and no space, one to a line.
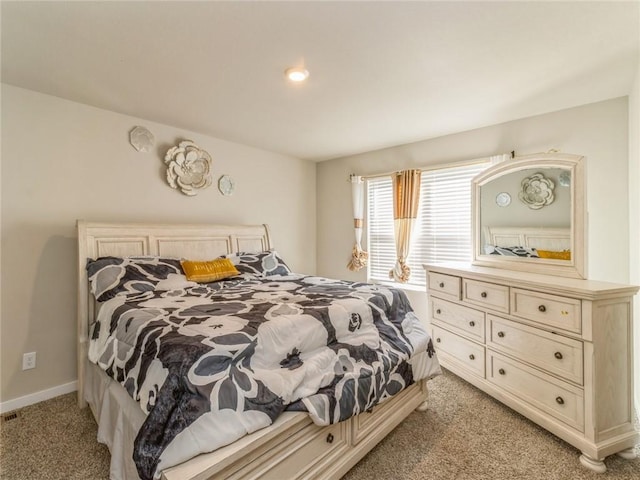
141,139
503,199
226,185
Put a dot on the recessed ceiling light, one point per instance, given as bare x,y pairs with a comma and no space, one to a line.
297,74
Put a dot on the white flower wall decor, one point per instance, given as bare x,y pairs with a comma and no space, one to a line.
537,191
188,167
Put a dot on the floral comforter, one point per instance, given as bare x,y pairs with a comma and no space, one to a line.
211,363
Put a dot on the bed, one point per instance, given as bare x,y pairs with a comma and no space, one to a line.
316,436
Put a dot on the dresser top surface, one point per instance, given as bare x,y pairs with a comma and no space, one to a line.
587,288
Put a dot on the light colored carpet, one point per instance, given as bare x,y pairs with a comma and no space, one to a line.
465,434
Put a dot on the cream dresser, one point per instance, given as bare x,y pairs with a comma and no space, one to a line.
557,350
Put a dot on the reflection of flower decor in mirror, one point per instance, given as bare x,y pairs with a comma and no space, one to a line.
188,167
141,139
503,199
226,185
537,191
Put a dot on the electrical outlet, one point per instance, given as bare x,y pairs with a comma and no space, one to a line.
29,361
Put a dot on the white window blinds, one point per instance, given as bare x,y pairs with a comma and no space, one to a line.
443,228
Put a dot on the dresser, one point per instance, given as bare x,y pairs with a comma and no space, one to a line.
557,350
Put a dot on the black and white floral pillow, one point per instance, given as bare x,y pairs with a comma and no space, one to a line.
262,264
110,276
511,251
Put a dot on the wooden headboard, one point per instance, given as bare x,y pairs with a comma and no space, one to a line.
196,242
555,239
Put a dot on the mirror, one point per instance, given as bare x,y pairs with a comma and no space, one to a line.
528,215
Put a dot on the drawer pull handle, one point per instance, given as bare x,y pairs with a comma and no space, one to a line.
560,400
330,438
501,334
438,311
472,323
441,285
472,357
483,294
558,355
438,340
542,308
501,371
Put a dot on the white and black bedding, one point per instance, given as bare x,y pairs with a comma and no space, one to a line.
209,363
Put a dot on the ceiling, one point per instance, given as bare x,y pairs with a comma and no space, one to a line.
382,73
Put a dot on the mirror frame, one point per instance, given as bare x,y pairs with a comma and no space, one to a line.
576,267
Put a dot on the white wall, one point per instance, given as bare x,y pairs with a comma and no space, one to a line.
634,217
599,131
64,161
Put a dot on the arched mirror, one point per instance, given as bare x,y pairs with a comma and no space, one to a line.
528,215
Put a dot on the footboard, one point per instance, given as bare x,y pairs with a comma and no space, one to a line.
295,448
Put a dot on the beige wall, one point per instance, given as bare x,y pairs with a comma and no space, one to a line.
634,217
599,131
63,161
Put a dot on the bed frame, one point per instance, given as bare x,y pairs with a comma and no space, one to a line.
556,239
540,238
293,447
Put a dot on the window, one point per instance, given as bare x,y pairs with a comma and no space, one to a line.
442,232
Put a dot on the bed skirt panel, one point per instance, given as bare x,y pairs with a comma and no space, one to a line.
119,419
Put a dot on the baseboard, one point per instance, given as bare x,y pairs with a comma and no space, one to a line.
38,397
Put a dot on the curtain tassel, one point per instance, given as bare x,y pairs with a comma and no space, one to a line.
401,272
358,259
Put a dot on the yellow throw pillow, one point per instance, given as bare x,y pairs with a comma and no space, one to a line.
209,271
563,255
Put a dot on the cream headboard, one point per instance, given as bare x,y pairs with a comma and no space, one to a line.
196,242
555,239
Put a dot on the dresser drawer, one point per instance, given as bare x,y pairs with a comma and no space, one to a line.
551,310
463,320
554,397
444,285
489,295
554,353
459,351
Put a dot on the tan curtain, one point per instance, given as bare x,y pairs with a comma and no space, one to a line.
358,256
406,197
